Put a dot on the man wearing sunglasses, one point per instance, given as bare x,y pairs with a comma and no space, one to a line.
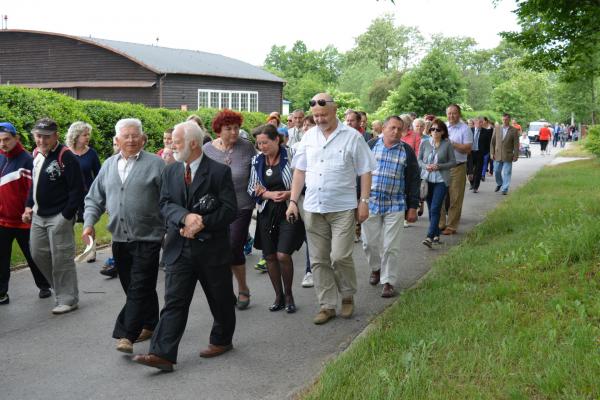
329,158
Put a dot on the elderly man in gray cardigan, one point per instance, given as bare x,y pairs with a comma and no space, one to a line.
128,189
436,158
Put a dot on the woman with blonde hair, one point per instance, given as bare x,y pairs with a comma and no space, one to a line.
78,140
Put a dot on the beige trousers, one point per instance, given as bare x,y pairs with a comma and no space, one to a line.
456,192
330,243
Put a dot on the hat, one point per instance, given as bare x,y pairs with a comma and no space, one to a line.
45,126
8,127
283,131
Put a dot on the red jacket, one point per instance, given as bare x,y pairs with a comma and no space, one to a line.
15,182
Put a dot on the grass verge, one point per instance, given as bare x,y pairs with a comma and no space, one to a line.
575,150
102,237
513,312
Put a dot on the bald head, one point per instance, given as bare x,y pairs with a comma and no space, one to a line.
324,109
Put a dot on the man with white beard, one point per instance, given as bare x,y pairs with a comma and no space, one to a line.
198,202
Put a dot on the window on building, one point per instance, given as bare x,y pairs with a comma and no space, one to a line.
235,100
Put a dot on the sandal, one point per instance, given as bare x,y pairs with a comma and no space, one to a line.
243,304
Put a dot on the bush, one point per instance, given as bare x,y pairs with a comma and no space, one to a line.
592,142
23,107
493,116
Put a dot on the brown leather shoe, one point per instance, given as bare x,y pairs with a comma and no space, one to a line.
152,360
347,307
144,335
323,316
374,278
214,350
448,231
388,291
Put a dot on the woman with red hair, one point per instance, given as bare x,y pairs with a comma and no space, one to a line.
232,150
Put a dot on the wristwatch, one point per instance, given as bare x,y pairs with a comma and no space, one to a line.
364,200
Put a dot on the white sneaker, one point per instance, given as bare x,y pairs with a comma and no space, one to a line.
308,280
63,309
406,225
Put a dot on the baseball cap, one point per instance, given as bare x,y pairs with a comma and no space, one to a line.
282,131
8,127
45,126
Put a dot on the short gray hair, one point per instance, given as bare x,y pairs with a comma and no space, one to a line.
129,122
191,131
75,130
407,119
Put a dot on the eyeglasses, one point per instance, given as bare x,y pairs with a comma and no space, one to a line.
320,102
436,130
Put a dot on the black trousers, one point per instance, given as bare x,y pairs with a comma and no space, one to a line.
138,271
475,167
7,236
180,283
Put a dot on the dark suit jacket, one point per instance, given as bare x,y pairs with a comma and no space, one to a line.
485,137
505,150
175,203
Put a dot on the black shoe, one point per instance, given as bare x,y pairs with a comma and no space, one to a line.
505,192
4,299
497,189
290,308
45,293
110,271
483,179
277,306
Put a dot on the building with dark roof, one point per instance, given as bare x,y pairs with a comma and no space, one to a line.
90,68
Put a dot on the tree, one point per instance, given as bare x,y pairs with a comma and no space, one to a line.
391,47
358,79
461,49
429,88
560,35
381,88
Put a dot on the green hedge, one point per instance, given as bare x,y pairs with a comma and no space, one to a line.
493,116
23,107
592,141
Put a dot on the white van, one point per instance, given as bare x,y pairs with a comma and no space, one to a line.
534,129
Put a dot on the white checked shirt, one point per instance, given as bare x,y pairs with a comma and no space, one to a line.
331,167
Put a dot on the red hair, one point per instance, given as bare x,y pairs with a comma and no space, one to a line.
226,117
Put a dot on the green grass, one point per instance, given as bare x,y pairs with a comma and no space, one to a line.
575,150
513,312
102,237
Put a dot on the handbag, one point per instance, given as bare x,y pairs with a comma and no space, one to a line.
424,189
206,205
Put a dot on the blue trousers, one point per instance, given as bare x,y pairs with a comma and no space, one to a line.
503,173
435,197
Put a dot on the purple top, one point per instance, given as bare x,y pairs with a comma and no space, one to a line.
239,159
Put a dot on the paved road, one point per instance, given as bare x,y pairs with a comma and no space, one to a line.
275,355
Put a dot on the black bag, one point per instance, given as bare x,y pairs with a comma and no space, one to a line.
206,205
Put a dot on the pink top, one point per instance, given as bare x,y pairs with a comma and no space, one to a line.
413,140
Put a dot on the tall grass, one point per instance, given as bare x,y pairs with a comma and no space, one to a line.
513,312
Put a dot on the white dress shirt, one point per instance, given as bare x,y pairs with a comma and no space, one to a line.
124,165
460,133
294,136
331,167
193,166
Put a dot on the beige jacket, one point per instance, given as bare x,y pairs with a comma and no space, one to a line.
505,150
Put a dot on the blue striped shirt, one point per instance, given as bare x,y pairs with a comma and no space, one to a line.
387,185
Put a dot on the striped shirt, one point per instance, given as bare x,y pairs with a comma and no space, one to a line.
387,185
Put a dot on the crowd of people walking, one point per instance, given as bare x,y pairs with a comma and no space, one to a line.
190,207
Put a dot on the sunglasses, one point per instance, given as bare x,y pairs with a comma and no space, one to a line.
435,130
320,102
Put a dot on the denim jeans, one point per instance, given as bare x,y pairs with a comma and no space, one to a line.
435,197
503,172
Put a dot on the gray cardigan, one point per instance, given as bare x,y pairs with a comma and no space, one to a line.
133,206
445,154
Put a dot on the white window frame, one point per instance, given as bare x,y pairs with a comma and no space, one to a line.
231,93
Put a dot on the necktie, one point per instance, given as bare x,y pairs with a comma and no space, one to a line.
188,175
476,140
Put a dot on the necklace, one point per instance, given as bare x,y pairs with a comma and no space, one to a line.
269,170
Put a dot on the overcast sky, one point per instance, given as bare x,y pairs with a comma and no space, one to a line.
246,29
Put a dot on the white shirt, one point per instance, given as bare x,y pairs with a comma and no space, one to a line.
331,167
124,165
460,133
294,136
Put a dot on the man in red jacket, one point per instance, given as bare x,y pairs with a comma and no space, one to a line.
15,180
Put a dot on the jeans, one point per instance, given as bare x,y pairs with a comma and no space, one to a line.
503,172
435,197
